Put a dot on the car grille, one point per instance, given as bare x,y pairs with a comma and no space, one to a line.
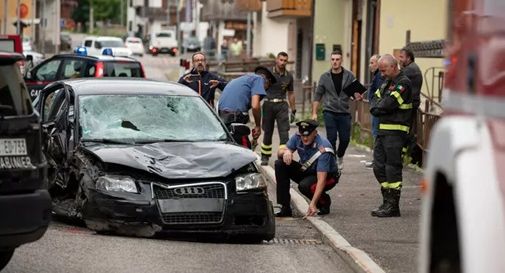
200,203
193,218
192,191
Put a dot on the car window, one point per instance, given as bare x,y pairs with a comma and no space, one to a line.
122,69
73,68
48,71
14,98
145,118
88,43
112,43
52,104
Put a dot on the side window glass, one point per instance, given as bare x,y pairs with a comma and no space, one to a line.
73,68
52,104
88,43
98,45
48,71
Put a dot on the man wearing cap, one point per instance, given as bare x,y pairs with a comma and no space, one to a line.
242,94
315,174
276,107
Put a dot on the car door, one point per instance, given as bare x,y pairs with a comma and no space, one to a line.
41,75
54,108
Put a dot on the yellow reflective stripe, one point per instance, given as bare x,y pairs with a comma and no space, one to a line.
266,146
282,146
266,152
398,97
378,93
392,185
406,106
397,127
404,149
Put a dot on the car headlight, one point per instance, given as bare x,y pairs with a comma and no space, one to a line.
116,183
250,181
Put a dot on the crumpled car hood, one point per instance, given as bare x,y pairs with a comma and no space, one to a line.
174,160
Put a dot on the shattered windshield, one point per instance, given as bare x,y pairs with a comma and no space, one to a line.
147,118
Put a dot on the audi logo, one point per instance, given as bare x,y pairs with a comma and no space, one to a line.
189,191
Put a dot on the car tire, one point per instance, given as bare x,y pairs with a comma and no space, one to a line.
5,257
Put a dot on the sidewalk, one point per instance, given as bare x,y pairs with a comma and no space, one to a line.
391,243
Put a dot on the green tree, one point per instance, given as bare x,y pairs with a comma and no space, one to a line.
104,10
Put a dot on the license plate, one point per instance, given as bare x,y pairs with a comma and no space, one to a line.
12,146
191,205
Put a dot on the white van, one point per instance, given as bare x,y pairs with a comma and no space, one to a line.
95,45
163,42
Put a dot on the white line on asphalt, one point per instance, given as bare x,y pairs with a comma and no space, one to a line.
357,258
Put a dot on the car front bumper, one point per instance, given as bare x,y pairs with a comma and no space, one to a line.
23,217
248,213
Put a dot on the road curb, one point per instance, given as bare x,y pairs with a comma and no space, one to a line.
356,258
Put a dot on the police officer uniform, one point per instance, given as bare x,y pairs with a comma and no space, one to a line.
276,108
393,107
316,157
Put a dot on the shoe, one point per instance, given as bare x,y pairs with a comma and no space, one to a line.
340,163
284,213
391,207
369,164
264,160
324,210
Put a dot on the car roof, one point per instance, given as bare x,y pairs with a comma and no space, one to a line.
125,86
96,57
101,38
10,57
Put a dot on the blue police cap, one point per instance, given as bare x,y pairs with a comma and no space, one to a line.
305,127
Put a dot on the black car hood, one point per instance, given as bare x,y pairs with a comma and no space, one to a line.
174,160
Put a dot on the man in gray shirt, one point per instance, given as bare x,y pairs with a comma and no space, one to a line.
337,118
412,71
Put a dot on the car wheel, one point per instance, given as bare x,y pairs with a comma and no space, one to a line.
5,257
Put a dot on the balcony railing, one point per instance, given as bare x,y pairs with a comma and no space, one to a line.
289,8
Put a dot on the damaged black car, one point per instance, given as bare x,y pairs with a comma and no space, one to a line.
138,157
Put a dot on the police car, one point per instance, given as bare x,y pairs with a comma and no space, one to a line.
81,65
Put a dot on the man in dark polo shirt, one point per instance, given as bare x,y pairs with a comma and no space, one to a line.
276,107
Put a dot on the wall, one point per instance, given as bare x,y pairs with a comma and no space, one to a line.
12,16
330,28
275,35
426,20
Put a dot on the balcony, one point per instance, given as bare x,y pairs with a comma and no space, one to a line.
289,8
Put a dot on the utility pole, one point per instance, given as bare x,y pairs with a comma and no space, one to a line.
178,27
18,16
248,35
121,11
4,19
91,19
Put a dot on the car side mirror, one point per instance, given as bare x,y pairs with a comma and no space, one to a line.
29,58
239,130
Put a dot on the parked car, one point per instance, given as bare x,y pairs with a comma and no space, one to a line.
96,45
25,204
192,44
80,65
135,45
159,160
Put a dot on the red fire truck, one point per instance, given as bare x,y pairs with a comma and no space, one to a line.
463,213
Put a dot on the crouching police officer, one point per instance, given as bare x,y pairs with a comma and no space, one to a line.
315,174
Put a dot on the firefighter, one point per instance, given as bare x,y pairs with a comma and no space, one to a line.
315,174
393,107
242,94
276,108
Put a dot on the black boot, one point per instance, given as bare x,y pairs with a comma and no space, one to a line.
284,212
391,207
324,204
264,160
381,207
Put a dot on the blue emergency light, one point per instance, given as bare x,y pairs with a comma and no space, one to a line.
107,51
81,51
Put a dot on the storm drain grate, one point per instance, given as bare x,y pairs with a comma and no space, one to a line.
281,241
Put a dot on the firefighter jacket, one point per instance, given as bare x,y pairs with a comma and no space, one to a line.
393,105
